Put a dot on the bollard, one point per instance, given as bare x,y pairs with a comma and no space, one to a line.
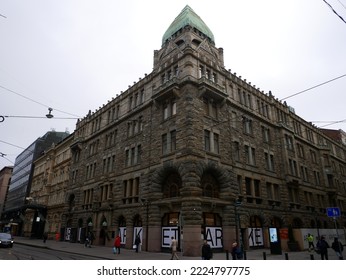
286,256
245,258
312,257
264,256
227,255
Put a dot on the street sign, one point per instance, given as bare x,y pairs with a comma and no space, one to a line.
333,212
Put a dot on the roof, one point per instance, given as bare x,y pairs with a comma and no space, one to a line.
187,17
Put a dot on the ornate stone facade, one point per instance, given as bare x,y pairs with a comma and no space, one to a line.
194,151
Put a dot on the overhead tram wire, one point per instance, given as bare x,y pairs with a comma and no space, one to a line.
335,122
39,103
40,117
344,75
330,6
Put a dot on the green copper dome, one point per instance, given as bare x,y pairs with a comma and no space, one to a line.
187,17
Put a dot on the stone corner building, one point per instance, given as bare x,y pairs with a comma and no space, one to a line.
193,151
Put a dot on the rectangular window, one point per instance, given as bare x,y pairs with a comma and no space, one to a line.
236,151
257,186
293,167
165,144
165,111
216,143
173,140
247,125
130,102
300,149
265,134
169,142
317,178
169,109
248,186
207,140
289,142
211,141
250,155
313,156
127,158
269,161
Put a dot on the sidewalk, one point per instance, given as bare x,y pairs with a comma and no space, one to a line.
128,254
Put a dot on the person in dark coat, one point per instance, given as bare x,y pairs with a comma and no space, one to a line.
45,237
234,250
338,248
207,252
323,246
137,242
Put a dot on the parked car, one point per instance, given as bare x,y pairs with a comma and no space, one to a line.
6,240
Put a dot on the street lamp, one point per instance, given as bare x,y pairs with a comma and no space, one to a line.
146,203
237,204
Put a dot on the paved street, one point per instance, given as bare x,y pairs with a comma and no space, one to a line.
127,254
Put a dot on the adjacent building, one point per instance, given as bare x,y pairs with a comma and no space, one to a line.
18,199
49,185
5,180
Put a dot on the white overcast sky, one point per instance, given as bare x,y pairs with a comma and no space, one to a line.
75,55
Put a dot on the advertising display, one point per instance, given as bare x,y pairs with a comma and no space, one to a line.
274,239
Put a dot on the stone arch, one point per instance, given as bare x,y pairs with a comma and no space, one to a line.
121,221
210,185
297,222
190,179
276,222
225,178
160,177
172,185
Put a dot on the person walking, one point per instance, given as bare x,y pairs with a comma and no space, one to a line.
322,245
137,242
310,239
88,240
234,250
338,248
207,252
117,243
45,237
174,247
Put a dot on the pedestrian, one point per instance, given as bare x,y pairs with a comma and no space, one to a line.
88,240
117,243
338,248
45,237
234,250
137,242
174,247
310,239
322,245
207,252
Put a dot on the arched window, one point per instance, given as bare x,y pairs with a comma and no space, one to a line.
276,222
172,185
297,223
121,221
210,186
